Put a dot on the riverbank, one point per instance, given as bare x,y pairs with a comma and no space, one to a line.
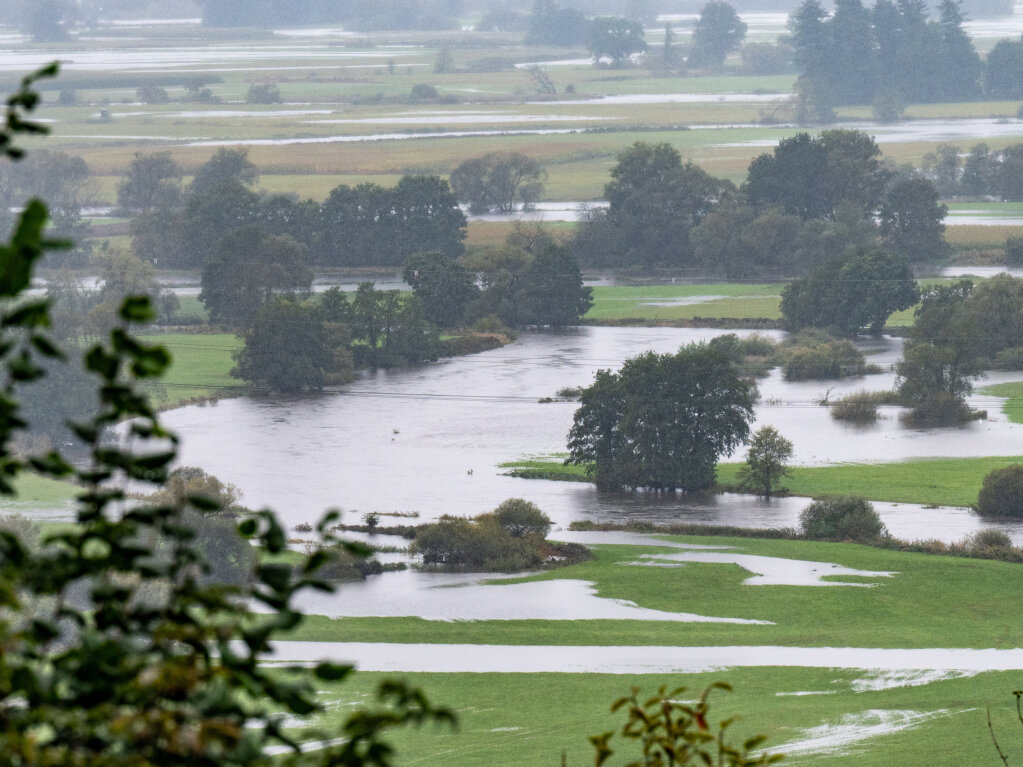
937,481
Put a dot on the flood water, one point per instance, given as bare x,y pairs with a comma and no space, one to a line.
430,439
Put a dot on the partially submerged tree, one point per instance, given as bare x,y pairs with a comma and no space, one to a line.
496,181
766,461
663,421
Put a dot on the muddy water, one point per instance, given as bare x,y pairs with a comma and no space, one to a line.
430,439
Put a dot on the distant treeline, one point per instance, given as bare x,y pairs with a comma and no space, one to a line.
894,54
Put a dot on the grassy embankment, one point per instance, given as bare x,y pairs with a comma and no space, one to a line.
939,481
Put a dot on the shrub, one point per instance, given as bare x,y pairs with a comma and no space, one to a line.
152,94
827,359
841,518
757,345
859,407
424,92
480,545
989,541
263,93
1014,251
520,518
1001,494
941,409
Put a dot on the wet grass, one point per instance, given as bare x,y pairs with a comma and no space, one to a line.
1013,391
740,301
933,601
505,720
36,494
200,368
938,481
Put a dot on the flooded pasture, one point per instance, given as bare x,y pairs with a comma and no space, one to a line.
431,439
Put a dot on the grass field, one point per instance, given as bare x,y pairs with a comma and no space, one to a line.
938,481
1013,391
679,302
505,718
200,367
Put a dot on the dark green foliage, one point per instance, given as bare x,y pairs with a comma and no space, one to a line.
1003,76
249,269
1014,251
153,181
654,202
263,93
227,165
718,32
860,407
668,730
520,518
912,221
662,421
817,357
765,462
615,38
1001,494
443,287
552,291
152,663
508,539
848,294
841,518
497,180
288,348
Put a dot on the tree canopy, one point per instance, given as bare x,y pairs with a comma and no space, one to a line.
663,421
718,32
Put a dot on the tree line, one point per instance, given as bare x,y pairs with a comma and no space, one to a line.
889,55
808,199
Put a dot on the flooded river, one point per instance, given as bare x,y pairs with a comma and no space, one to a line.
430,439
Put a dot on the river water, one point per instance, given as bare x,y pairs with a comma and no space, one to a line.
430,439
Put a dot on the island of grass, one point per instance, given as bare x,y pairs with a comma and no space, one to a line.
932,481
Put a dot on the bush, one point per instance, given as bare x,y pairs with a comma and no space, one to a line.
941,409
860,407
814,359
1014,251
520,518
263,93
1001,494
757,345
424,92
989,542
479,545
841,518
152,94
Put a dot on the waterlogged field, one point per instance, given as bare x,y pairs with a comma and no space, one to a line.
200,367
864,712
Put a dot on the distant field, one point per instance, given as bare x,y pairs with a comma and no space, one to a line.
683,302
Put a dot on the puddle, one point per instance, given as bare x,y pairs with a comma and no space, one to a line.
852,729
890,680
383,137
919,131
769,571
589,659
675,98
804,693
540,211
463,118
462,597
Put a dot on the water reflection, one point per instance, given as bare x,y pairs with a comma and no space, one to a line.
430,439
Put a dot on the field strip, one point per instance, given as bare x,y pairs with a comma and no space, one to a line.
533,659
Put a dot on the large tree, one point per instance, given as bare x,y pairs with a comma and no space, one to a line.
912,220
443,287
663,421
497,180
615,38
718,32
654,201
152,181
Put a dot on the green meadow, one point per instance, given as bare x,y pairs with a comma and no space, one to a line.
200,367
536,719
936,481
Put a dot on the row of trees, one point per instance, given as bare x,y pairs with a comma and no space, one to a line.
800,204
888,55
180,227
982,172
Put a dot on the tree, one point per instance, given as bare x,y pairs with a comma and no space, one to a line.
662,421
811,46
978,171
551,25
289,349
853,58
1007,177
1003,73
443,287
131,657
718,32
858,290
495,180
152,181
551,291
615,38
766,461
227,165
654,202
963,68
912,220
263,93
249,269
